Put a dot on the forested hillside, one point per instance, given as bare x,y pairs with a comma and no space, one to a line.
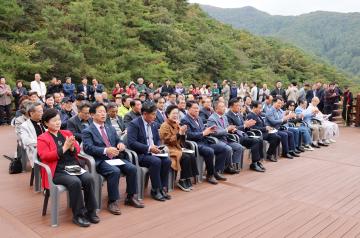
119,40
333,36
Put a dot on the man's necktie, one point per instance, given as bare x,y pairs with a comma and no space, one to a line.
149,135
222,122
105,139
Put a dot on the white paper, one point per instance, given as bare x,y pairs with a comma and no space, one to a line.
184,150
273,131
78,173
161,155
115,162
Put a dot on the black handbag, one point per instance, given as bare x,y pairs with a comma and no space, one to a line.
15,166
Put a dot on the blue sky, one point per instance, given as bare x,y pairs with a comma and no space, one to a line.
288,7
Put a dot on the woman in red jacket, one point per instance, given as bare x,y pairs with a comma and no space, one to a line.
58,149
117,90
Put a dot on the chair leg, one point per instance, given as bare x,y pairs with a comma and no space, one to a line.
139,184
32,177
46,200
54,208
37,178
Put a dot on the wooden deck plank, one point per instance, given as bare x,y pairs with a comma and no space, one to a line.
315,195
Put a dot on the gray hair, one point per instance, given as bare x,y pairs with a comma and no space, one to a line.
32,107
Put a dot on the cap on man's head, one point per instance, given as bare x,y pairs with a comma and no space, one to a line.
66,100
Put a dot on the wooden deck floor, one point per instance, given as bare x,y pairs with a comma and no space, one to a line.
317,195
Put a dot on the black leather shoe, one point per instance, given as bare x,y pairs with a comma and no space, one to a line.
322,144
294,154
256,167
230,170
92,217
81,221
165,194
219,176
300,149
155,194
134,202
288,156
315,146
261,165
211,179
271,158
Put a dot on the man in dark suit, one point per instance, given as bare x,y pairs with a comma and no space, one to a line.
206,110
102,142
66,112
274,118
114,120
79,122
197,132
254,144
279,91
144,139
84,88
160,112
272,138
135,112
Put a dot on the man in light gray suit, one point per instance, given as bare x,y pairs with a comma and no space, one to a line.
223,128
31,129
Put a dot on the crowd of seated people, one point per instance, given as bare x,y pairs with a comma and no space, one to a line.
157,122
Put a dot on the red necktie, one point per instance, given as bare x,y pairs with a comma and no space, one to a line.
105,138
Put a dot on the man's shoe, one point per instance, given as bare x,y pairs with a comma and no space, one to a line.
296,151
292,153
211,179
92,217
165,194
332,140
134,202
322,144
301,149
308,148
189,184
155,194
256,167
271,158
81,221
114,208
261,165
315,145
219,176
230,170
288,156
182,184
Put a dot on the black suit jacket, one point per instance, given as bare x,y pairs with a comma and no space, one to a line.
204,115
74,125
119,121
237,121
260,123
80,89
129,117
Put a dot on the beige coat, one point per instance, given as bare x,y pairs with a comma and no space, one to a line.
5,99
170,137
